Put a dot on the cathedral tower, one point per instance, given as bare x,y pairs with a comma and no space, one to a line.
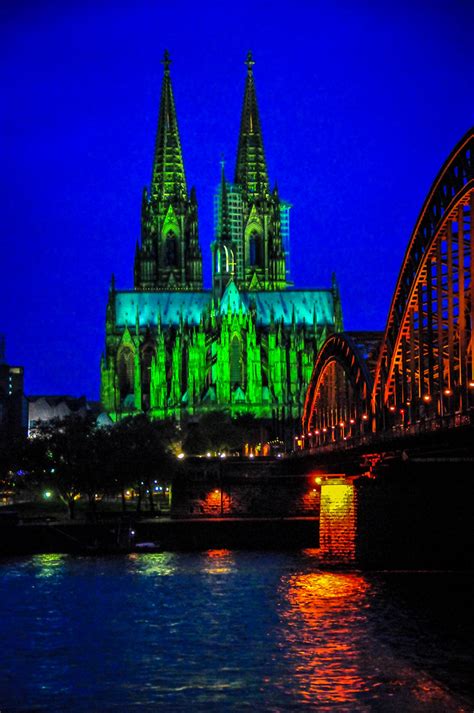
262,255
176,350
169,257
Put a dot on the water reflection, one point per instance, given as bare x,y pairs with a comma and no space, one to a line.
330,629
218,561
50,565
161,564
269,633
325,632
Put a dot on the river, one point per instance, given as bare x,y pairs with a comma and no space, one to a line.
230,631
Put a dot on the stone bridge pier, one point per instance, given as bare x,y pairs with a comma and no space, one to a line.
338,520
415,514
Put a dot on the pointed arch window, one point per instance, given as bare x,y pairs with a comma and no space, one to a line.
171,250
255,250
125,371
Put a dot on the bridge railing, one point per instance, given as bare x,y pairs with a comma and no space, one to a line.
428,425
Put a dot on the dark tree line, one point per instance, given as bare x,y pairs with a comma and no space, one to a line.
76,458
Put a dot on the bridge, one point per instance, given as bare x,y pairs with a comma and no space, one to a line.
371,388
396,406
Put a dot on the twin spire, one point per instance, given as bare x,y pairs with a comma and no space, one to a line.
251,167
169,180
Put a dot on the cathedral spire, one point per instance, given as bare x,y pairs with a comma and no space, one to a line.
251,168
168,180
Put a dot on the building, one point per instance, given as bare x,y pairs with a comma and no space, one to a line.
248,345
42,409
13,406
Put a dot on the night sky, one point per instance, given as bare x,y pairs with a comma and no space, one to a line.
360,105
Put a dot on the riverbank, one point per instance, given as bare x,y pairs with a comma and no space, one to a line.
172,535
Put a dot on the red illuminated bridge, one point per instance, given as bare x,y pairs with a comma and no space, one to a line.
418,375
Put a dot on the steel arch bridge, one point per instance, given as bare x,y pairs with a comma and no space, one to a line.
423,368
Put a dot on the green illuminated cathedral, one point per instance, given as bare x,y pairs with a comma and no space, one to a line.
248,345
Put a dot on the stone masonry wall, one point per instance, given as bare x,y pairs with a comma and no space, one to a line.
337,525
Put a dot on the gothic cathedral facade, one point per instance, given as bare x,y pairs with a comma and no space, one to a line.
248,345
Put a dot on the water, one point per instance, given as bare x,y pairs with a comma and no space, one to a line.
230,631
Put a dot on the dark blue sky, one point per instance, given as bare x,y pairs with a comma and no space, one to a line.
360,105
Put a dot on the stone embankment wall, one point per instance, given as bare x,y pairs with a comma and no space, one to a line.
243,490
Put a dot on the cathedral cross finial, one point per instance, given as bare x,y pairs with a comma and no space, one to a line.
249,61
166,61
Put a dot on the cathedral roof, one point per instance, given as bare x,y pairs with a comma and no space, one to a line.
169,307
302,306
233,300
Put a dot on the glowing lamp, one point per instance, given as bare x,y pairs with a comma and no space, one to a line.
318,480
426,397
342,424
317,433
392,408
180,456
447,392
352,421
325,430
47,494
365,417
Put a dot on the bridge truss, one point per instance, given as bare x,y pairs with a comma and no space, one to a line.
424,367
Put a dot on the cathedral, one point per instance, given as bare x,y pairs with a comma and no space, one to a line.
248,344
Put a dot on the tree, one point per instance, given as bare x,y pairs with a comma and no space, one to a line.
67,456
140,453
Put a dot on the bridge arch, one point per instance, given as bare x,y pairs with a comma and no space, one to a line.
338,399
423,366
425,363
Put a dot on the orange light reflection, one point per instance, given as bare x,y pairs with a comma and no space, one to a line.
323,645
219,561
